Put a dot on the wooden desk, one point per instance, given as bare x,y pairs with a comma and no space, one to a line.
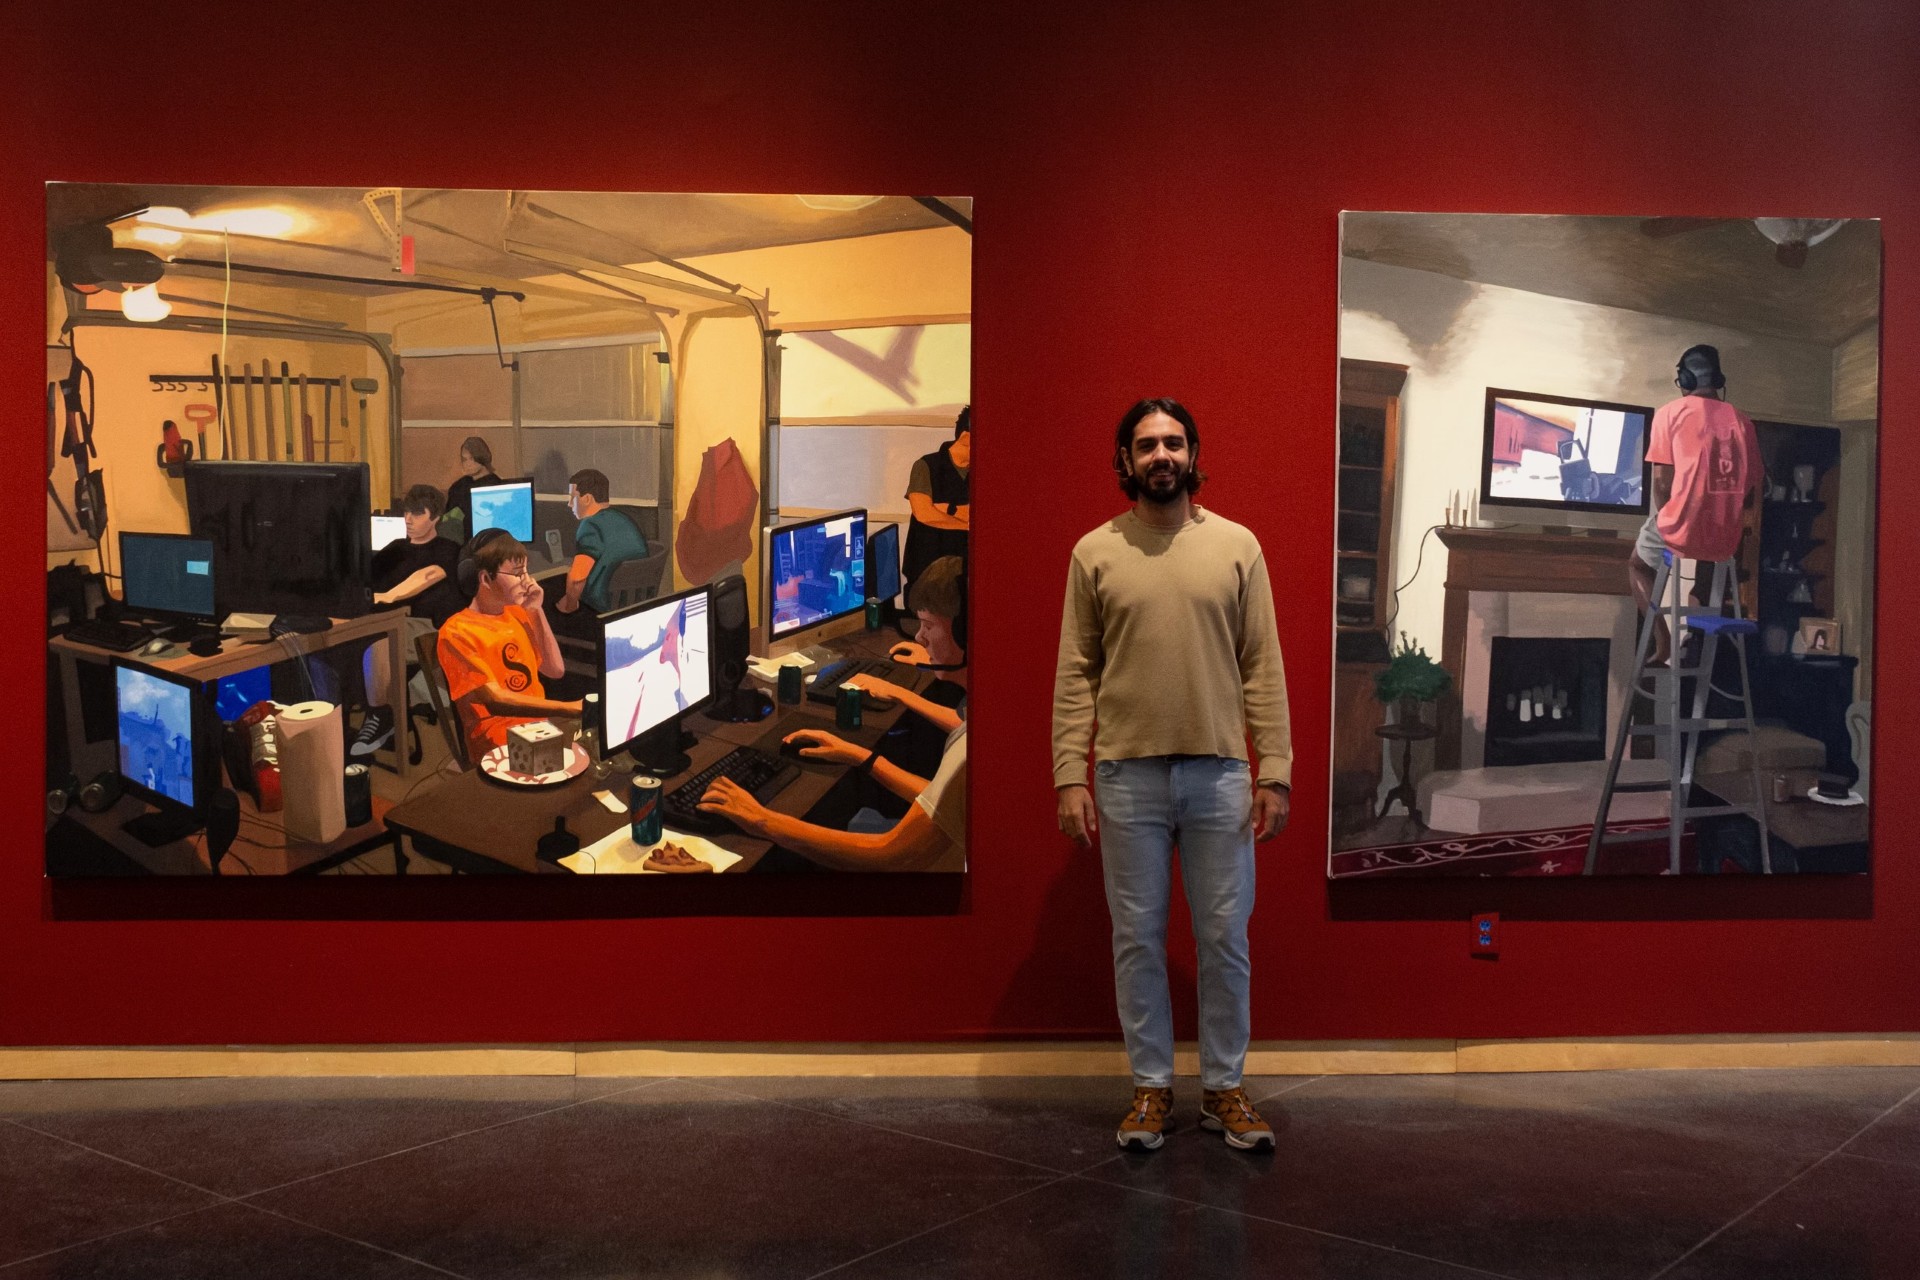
501,824
236,655
262,847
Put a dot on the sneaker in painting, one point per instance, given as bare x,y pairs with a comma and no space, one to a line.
376,732
1145,1119
1227,1111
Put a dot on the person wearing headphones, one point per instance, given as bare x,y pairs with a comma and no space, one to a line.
495,651
1707,470
1168,643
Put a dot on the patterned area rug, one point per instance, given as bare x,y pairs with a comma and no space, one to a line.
1561,851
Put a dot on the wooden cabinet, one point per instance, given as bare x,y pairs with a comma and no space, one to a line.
1363,575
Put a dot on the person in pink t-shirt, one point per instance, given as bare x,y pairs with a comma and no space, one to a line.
1706,471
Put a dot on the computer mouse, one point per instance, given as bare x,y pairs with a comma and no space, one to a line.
792,750
153,647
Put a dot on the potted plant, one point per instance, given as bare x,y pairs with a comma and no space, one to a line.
1409,679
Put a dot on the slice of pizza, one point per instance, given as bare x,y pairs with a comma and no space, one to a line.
674,860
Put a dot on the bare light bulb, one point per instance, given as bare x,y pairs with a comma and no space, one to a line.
145,304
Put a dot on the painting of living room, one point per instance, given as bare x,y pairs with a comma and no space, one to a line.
1604,559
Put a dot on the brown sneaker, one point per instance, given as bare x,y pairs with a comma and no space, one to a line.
1145,1119
1229,1112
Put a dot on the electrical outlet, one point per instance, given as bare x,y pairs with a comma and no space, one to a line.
1483,943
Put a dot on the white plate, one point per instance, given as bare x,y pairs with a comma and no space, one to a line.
617,854
1853,798
494,765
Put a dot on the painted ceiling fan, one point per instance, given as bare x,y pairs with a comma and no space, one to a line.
1792,237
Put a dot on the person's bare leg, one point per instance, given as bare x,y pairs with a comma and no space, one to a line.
1640,578
378,673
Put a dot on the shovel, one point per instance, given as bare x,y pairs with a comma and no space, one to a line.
366,387
326,420
286,405
220,376
306,424
346,427
246,385
266,409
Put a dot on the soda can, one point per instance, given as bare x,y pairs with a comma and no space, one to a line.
791,683
643,805
873,614
847,707
358,795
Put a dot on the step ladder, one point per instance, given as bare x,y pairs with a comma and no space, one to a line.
1682,732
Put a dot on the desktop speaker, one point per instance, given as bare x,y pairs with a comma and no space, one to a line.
97,796
732,639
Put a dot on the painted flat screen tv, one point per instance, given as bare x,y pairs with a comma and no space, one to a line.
1564,454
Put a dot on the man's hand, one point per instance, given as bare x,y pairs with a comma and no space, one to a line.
817,744
531,594
731,801
567,604
874,686
1077,817
1271,804
910,654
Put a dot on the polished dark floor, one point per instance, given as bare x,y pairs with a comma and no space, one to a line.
1683,1175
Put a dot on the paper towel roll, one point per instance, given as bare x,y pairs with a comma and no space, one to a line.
311,782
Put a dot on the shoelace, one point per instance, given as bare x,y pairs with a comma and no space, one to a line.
1237,1103
1144,1105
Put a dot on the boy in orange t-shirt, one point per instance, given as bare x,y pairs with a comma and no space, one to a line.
495,651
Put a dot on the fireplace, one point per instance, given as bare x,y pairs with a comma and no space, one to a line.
1546,700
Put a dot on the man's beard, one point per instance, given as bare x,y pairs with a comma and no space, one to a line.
1163,485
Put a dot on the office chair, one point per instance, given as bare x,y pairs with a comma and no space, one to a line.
427,652
632,582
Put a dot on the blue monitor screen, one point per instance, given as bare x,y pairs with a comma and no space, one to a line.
884,551
155,731
819,571
506,506
167,574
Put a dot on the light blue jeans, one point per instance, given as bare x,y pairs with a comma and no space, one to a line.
1203,805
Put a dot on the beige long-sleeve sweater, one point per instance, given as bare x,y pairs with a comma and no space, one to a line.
1168,644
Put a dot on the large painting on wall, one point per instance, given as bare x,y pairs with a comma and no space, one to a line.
420,531
1604,558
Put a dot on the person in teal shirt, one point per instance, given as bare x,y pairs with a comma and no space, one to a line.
604,540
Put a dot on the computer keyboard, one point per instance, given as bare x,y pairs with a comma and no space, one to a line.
764,776
105,633
825,685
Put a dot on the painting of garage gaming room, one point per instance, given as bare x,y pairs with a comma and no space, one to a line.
1495,713
289,426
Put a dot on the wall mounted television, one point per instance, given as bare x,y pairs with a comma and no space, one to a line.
1564,454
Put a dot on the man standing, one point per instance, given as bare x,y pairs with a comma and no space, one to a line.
939,494
1706,470
1168,644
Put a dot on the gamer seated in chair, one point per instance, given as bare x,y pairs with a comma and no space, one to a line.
604,540
417,571
938,599
495,652
932,836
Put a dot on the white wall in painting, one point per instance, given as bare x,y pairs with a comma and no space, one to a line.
1459,338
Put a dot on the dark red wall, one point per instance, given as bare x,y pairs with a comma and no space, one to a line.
1158,197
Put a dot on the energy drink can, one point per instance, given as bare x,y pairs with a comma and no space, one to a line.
792,682
643,805
358,794
873,614
847,707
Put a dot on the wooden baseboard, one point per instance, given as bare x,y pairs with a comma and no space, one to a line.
1050,1058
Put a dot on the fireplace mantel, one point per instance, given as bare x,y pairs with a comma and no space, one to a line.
1517,562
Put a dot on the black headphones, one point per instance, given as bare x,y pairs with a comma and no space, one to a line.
1685,378
467,571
